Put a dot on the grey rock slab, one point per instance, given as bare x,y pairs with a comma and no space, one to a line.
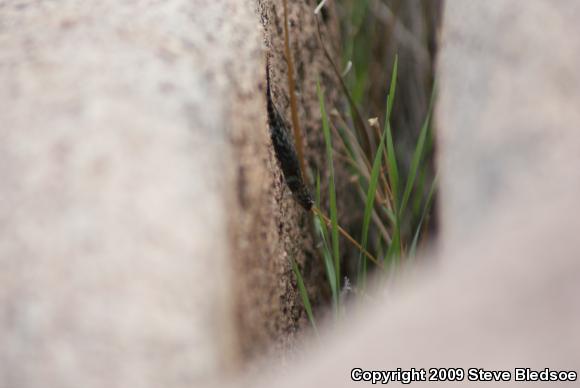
115,162
508,112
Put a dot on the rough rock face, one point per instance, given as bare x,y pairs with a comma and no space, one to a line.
274,229
146,229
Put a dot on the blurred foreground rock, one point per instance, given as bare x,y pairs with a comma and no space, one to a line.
115,163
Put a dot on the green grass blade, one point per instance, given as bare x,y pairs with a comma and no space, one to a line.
331,186
390,156
392,167
426,209
304,294
369,206
320,227
394,251
417,156
330,272
392,89
416,201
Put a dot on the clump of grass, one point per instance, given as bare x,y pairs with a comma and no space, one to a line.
392,200
389,212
